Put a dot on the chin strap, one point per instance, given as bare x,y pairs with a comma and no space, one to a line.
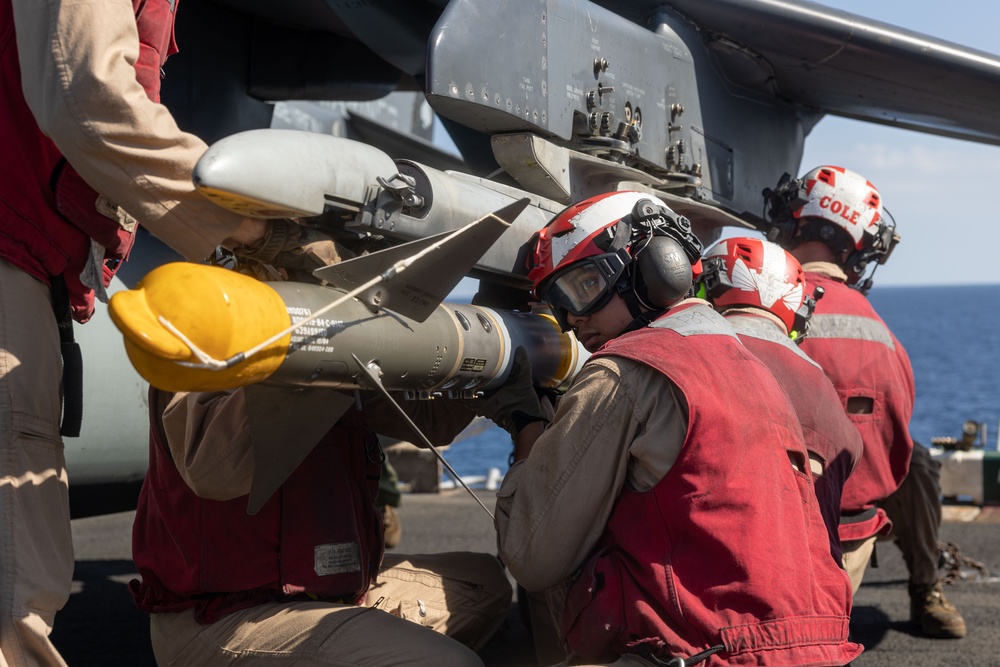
640,319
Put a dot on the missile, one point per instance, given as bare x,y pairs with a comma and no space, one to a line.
457,351
290,173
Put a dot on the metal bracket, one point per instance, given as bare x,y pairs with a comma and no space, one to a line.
402,188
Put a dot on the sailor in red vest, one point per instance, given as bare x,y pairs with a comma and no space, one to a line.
670,496
761,291
86,152
832,221
303,580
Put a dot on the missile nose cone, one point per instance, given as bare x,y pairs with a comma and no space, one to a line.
221,312
130,311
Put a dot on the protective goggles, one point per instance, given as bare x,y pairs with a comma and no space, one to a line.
585,287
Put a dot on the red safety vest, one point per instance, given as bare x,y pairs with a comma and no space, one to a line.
48,214
865,362
729,547
827,431
320,534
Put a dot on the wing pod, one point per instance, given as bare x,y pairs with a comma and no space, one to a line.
289,173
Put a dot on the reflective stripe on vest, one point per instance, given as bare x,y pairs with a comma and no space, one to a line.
695,320
761,329
854,327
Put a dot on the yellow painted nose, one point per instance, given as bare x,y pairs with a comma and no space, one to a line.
220,311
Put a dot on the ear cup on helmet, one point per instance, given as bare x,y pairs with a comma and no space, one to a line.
788,196
663,272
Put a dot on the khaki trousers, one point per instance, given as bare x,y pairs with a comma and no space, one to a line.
431,610
915,511
857,554
36,547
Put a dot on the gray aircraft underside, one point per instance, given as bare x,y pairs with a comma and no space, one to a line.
702,102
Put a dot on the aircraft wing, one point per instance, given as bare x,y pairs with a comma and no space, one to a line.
846,65
803,52
728,89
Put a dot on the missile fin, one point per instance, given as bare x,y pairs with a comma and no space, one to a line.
416,292
285,425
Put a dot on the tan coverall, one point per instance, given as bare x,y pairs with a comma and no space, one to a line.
462,596
76,62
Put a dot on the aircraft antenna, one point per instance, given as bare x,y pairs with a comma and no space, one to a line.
369,372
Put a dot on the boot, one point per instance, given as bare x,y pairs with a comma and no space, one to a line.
930,609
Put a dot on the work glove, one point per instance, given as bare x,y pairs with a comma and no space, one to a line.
292,249
515,404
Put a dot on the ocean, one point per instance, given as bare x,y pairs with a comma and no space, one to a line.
952,334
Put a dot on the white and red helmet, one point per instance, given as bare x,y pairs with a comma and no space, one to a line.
585,254
582,230
754,272
837,207
845,198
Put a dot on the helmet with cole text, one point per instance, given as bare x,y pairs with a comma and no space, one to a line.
837,207
751,272
626,243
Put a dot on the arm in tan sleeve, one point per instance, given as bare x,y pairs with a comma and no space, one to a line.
441,419
554,505
77,61
209,440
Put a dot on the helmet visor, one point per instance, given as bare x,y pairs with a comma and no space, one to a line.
585,287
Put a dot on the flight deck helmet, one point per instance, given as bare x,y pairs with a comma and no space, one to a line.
629,243
757,273
838,207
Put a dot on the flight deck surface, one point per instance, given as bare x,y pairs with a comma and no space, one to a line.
100,627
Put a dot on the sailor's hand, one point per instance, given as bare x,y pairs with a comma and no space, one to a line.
297,249
547,400
514,405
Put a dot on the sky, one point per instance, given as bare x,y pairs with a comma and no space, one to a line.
938,190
